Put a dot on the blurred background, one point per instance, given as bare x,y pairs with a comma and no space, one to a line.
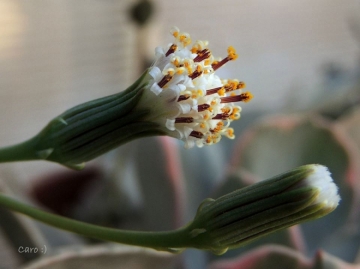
295,57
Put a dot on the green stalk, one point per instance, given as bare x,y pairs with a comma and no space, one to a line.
24,151
172,241
231,221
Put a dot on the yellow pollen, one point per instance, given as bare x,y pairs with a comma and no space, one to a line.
232,94
176,62
194,49
214,138
225,110
208,140
221,92
235,116
206,116
176,34
202,125
207,62
230,132
199,92
232,53
241,85
183,38
180,70
213,102
248,96
232,84
188,67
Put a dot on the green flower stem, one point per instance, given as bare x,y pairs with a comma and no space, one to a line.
231,221
169,241
21,152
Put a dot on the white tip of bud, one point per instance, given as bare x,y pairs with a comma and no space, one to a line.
328,191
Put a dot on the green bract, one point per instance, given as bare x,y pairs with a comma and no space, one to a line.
89,130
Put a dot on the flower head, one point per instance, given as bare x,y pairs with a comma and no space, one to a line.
188,99
179,96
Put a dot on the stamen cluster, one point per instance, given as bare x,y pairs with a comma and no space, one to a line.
205,103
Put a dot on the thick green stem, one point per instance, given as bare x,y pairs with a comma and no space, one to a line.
24,151
169,241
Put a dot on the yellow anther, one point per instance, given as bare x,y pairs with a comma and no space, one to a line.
186,40
230,133
247,96
202,125
176,61
232,94
215,138
213,102
232,53
225,110
188,67
200,92
208,140
241,85
207,62
233,84
171,72
221,92
180,70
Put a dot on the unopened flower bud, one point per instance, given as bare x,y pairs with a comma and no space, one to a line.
242,216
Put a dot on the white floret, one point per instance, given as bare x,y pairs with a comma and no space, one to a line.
321,179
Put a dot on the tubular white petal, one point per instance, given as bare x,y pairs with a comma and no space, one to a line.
321,179
170,124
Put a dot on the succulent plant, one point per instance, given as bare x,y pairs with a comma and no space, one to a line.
129,188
